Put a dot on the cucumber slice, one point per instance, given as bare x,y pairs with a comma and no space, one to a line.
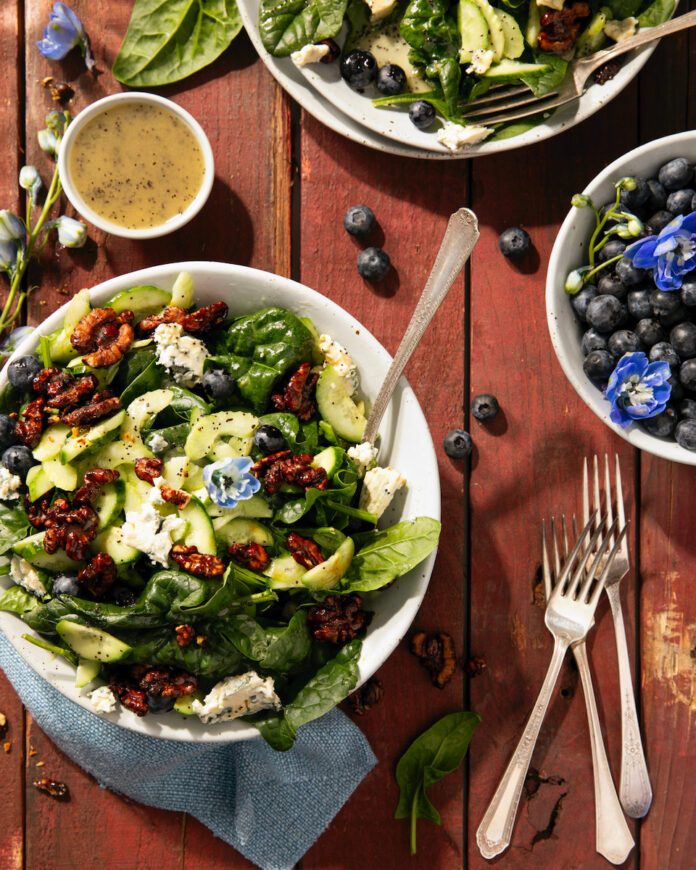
256,506
195,481
142,301
51,442
97,436
514,41
109,503
234,448
495,28
120,453
104,376
533,28
182,290
142,410
244,531
38,482
513,69
60,475
329,459
175,471
209,429
86,672
200,533
184,704
92,643
326,574
32,550
336,406
110,541
59,343
285,573
137,491
473,30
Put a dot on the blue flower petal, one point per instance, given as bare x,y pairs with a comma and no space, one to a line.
636,250
689,222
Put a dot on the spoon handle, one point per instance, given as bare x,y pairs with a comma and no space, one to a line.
460,237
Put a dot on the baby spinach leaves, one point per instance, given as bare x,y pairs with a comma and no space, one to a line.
286,25
14,526
430,28
658,12
168,40
433,755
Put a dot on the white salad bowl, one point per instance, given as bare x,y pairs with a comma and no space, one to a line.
570,251
406,443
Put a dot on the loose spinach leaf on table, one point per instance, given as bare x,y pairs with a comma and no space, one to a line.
14,526
433,755
286,25
168,40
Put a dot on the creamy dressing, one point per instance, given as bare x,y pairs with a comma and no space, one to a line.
137,165
389,46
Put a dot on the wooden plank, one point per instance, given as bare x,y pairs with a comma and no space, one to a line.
528,465
412,202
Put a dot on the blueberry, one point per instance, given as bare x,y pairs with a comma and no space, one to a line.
484,406
675,174
18,460
66,584
593,340
688,291
663,303
158,704
677,393
680,313
658,195
421,113
628,274
514,242
623,341
610,284
457,444
391,79
605,313
582,299
358,68
373,264
22,372
219,384
683,340
679,202
269,439
659,221
649,332
687,374
664,352
687,408
359,220
612,249
598,365
640,194
661,425
638,302
685,433
7,431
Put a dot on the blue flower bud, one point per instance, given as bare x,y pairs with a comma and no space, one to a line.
71,233
8,256
48,142
62,33
29,179
11,227
574,282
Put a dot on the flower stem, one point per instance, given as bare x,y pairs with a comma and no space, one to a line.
599,268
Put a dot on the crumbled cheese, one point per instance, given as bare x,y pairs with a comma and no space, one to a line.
237,696
24,574
309,54
552,4
378,489
364,456
9,484
157,443
181,355
380,8
620,30
337,356
146,530
481,59
103,700
455,136
155,494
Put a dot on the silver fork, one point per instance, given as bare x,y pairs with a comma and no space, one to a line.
634,788
502,104
569,615
612,834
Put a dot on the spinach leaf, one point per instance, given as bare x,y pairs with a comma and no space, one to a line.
624,8
287,645
64,651
14,526
182,405
246,635
150,378
17,600
545,81
217,658
389,553
286,25
175,436
430,27
658,12
433,755
10,398
275,730
168,40
288,424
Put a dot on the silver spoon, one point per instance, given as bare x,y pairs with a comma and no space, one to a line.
460,237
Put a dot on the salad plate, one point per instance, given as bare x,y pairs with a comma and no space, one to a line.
405,445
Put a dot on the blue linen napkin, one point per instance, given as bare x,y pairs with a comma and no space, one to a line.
270,806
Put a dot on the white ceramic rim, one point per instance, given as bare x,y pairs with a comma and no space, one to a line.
108,226
386,630
573,236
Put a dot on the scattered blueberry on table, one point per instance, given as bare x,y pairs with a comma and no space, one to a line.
359,221
514,242
373,264
484,407
421,113
457,444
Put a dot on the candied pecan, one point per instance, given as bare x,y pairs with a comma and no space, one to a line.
475,666
37,510
304,550
52,787
70,529
198,564
61,390
205,318
337,619
254,556
104,335
92,482
334,50
364,698
100,405
109,354
164,682
29,428
282,467
267,461
436,654
560,27
129,694
607,71
177,497
298,394
149,469
185,634
172,314
98,574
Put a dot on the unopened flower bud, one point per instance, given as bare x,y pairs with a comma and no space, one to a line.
627,183
11,227
579,200
48,142
8,256
574,282
71,233
57,122
29,179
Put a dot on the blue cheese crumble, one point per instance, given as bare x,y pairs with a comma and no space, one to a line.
237,696
25,575
146,530
9,485
103,700
364,455
337,356
181,355
378,489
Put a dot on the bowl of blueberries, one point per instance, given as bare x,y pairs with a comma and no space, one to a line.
621,296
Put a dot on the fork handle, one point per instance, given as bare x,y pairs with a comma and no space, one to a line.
613,837
495,831
635,790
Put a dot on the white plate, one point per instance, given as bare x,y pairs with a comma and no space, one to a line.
406,443
393,122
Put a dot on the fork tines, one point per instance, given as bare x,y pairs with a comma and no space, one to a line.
505,102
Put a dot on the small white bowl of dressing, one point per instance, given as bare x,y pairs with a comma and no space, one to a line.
136,165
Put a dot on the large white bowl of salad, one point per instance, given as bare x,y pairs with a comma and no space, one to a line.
196,544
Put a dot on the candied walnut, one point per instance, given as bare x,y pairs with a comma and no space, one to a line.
61,390
337,619
98,574
282,467
254,556
304,550
560,27
30,425
100,405
69,528
298,394
104,336
264,464
129,694
205,318
364,698
149,469
37,510
185,634
475,666
92,482
164,682
607,72
198,564
177,497
52,787
172,314
436,654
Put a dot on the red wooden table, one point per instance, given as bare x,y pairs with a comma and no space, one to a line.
283,183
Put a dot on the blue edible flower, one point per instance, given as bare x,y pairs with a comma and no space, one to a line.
638,389
670,255
62,33
229,481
